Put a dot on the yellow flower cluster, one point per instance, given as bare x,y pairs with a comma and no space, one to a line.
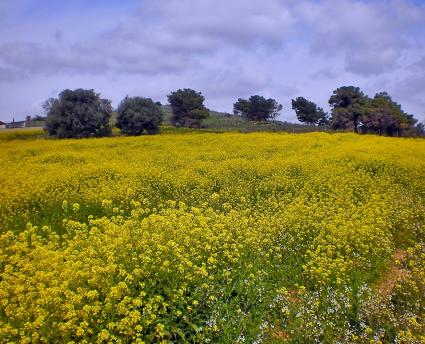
191,237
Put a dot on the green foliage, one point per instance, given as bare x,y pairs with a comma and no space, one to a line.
222,122
136,116
352,109
382,115
21,134
219,122
257,108
347,104
309,112
39,118
420,129
188,108
78,113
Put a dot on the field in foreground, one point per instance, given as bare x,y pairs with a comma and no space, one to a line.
213,238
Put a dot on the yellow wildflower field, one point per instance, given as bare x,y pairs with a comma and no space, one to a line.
219,238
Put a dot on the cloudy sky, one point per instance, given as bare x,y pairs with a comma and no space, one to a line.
226,49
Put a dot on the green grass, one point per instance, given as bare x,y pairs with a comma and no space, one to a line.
21,134
222,122
217,122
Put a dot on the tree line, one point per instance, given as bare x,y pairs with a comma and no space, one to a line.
83,113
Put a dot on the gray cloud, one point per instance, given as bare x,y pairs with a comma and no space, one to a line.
32,58
234,22
277,48
8,74
58,36
411,87
160,37
418,66
370,35
172,36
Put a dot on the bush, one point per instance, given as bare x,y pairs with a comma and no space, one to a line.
136,116
78,113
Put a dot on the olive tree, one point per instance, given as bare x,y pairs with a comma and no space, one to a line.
78,113
137,116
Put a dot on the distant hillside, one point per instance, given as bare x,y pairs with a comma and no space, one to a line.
221,121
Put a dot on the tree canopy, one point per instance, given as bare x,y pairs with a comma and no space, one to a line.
308,112
420,129
382,115
257,108
352,109
137,115
78,113
347,104
188,108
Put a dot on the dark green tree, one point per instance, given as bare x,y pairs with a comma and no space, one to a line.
382,115
39,118
137,115
420,129
257,108
78,113
324,119
347,105
308,112
188,108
